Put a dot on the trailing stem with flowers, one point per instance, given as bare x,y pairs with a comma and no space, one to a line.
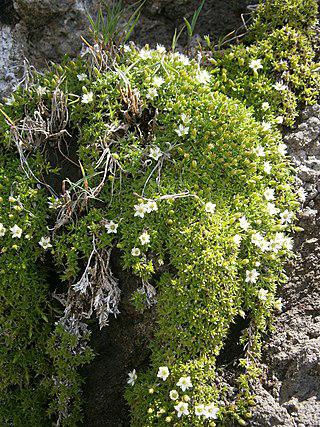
181,170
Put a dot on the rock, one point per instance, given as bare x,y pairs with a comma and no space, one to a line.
45,30
39,31
290,393
120,347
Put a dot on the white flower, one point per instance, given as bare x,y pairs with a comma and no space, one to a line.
185,119
279,238
211,411
155,153
271,209
199,410
16,231
144,238
266,126
203,77
282,149
135,252
278,304
81,77
145,54
267,167
12,199
258,240
264,245
286,217
140,210
112,227
152,93
174,395
265,106
275,246
244,224
45,242
182,130
184,383
287,243
277,243
280,86
302,194
160,48
2,230
255,65
132,377
279,120
87,98
252,276
182,58
157,81
210,207
126,48
41,90
259,151
10,100
53,203
269,194
151,206
163,372
237,239
262,294
182,409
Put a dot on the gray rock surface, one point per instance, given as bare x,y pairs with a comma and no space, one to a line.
44,30
290,393
39,31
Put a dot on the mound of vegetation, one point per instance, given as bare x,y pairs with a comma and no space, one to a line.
182,171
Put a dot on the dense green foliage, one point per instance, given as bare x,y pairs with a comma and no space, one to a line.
183,171
279,68
187,171
23,299
217,162
272,15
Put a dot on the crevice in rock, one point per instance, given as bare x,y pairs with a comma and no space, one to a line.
8,15
120,347
232,349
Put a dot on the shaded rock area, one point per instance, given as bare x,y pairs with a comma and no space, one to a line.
120,347
38,31
290,393
217,19
44,30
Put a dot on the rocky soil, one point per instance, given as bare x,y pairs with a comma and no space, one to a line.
36,32
290,393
